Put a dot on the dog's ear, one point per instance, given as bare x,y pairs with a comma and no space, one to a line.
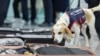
67,30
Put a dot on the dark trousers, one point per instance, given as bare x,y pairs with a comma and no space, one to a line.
24,9
60,6
25,12
4,4
97,22
91,4
48,7
15,8
33,10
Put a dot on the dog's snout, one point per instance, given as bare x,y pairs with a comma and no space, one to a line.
55,41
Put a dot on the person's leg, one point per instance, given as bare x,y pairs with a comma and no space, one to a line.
93,3
15,8
48,11
78,3
54,10
97,22
33,10
59,6
25,10
4,4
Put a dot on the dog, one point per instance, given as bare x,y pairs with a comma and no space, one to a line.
65,25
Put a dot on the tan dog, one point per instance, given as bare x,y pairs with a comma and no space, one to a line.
62,31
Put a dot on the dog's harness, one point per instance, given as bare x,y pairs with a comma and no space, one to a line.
76,15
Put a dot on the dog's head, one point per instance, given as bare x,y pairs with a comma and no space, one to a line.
60,32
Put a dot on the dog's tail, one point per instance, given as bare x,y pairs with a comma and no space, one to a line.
97,8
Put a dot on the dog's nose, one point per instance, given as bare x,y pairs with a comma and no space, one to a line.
55,42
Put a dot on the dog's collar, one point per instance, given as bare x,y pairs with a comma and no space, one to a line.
76,15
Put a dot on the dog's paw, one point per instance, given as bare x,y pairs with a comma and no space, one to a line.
87,45
90,42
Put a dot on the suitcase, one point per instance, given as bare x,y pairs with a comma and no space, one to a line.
39,35
8,30
56,50
44,45
16,51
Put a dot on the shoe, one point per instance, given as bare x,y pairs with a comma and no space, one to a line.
26,23
50,24
33,23
43,25
46,25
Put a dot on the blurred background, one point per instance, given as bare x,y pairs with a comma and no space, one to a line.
38,12
21,13
41,13
38,6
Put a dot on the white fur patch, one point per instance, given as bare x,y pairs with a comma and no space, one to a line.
57,37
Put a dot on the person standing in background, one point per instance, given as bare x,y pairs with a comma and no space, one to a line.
33,11
24,8
60,6
4,4
15,8
25,11
48,8
91,4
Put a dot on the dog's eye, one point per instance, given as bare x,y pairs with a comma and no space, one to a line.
59,32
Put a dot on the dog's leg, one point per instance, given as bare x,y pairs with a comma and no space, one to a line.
92,33
77,37
83,30
76,29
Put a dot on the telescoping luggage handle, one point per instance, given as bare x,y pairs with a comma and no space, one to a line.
10,32
27,34
7,30
39,31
